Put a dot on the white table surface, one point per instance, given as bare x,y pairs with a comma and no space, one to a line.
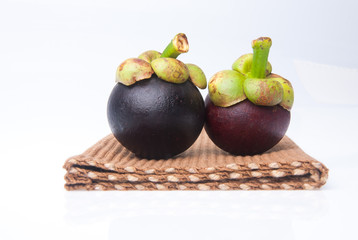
57,64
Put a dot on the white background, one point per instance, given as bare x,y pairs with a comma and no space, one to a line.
57,66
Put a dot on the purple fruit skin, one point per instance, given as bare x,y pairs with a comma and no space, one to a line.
156,119
245,128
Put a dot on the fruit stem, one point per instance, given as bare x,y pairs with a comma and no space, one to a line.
178,45
261,47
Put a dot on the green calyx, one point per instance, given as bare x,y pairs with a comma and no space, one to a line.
288,93
260,86
226,88
264,92
149,55
133,70
170,70
196,75
164,65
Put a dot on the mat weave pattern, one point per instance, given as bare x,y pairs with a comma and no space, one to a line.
107,165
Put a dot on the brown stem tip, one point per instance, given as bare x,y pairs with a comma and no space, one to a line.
181,43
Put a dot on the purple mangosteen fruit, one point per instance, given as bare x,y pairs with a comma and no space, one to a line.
248,108
155,110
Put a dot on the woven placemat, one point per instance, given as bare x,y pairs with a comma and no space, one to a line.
107,165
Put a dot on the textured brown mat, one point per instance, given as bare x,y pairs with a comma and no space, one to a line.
107,165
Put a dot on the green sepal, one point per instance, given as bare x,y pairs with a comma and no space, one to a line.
132,70
264,92
226,88
170,70
288,93
196,76
149,55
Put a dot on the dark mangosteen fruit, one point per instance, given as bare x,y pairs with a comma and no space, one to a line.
245,128
248,108
154,111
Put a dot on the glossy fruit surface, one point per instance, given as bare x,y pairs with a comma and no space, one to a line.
245,128
154,118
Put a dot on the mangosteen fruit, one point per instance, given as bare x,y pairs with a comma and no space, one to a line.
155,110
248,108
